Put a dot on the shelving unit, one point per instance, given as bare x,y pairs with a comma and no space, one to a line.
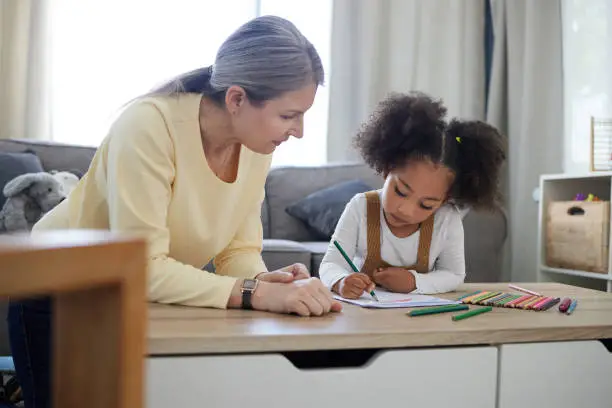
564,187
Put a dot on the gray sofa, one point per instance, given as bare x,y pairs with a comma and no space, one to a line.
286,239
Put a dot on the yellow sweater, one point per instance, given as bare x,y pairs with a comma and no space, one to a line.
150,176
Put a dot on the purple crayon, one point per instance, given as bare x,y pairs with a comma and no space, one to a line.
580,197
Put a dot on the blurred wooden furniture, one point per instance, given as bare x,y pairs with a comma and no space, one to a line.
97,280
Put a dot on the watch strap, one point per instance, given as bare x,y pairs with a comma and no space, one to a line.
246,300
247,289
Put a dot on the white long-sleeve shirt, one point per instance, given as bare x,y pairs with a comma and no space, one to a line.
446,253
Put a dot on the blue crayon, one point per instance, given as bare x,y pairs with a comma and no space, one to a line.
572,306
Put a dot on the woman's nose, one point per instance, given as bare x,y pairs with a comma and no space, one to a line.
298,131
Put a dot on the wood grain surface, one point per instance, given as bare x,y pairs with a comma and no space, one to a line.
175,330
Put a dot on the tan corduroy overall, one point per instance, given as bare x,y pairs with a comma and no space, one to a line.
373,259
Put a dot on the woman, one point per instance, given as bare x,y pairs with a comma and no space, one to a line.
186,165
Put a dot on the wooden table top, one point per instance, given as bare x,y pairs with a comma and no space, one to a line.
176,330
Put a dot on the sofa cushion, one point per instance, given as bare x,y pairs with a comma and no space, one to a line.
278,253
15,164
53,156
321,210
287,185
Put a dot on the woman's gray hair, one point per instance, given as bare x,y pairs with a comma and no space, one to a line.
266,56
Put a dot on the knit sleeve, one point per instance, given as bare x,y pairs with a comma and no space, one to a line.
140,172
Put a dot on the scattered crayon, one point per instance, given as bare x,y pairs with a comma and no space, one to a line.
572,306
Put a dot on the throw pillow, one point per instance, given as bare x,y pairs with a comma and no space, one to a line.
16,164
321,210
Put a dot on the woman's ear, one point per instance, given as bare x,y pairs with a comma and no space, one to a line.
235,98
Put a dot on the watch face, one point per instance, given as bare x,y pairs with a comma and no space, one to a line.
249,284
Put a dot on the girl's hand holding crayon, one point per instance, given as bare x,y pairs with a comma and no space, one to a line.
354,285
395,279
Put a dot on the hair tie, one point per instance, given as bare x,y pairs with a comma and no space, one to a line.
458,139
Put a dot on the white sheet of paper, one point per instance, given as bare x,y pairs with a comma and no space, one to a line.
390,300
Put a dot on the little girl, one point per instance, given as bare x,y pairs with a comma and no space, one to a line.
408,236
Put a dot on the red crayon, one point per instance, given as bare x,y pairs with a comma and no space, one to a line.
564,305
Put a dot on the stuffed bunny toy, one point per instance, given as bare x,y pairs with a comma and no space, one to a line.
69,179
29,196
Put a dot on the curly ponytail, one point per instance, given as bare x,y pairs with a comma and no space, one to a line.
475,151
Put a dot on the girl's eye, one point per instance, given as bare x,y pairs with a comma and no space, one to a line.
287,117
423,206
399,193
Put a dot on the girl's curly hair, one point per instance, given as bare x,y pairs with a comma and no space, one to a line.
413,127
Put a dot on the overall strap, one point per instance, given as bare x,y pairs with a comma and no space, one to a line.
373,259
422,265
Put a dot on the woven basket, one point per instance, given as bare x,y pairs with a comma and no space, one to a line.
577,235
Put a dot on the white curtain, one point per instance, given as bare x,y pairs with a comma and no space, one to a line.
435,46
526,102
23,73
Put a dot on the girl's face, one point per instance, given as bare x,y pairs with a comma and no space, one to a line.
412,193
263,127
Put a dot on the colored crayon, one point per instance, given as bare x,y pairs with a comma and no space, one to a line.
471,295
518,300
549,304
468,295
572,306
485,295
523,290
501,300
472,312
492,300
469,299
483,298
541,302
519,305
437,309
508,299
523,304
536,303
527,305
497,299
565,304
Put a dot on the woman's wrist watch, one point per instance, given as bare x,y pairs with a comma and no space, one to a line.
247,288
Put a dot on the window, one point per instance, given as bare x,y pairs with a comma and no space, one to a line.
587,57
103,54
313,18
